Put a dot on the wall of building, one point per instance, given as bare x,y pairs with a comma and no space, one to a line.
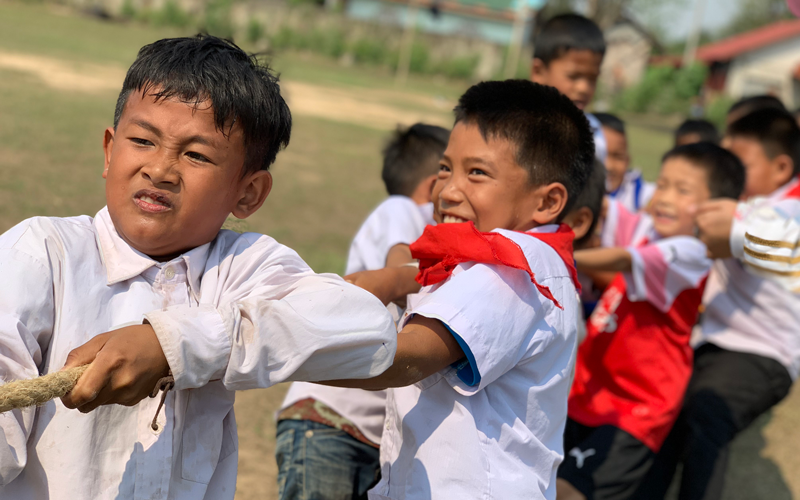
766,71
627,54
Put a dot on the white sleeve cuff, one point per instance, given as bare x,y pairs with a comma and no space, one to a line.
196,342
738,229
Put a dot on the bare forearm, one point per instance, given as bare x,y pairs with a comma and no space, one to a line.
424,347
604,259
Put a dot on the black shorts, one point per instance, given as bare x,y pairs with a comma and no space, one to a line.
603,463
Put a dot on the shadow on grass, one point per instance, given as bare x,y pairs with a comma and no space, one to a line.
750,475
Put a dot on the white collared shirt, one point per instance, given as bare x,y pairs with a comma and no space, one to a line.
634,192
240,312
492,427
396,221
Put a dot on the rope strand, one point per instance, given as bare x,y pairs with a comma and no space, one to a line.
38,391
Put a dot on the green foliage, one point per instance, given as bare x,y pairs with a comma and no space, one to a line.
420,58
128,11
370,51
754,14
663,89
217,20
460,68
330,42
717,111
171,14
255,30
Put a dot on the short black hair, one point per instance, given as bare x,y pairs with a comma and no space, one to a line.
591,197
747,105
206,68
567,32
611,121
775,129
553,138
704,129
411,155
725,171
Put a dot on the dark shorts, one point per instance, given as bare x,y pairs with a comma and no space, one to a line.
317,462
603,463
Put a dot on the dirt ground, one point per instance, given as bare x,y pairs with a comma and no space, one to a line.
764,463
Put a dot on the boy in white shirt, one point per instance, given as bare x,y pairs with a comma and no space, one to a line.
486,349
317,422
184,305
749,347
568,54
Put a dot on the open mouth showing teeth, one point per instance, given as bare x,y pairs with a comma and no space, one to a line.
450,219
152,202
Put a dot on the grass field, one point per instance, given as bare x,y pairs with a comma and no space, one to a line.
59,74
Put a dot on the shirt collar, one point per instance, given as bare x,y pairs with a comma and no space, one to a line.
123,262
547,228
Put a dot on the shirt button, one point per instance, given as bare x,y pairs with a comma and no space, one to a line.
387,425
309,434
169,273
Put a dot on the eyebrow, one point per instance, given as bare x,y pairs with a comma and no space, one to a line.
199,139
478,160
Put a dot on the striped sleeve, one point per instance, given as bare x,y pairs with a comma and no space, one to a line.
766,238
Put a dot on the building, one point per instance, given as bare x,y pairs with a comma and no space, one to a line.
628,49
762,61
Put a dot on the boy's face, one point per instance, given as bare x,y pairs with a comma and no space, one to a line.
172,177
617,161
680,187
762,174
574,74
482,182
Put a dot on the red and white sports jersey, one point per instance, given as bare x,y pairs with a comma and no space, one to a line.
633,367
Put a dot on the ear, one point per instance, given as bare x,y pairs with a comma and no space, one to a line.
783,168
424,191
539,71
552,200
255,189
580,221
108,146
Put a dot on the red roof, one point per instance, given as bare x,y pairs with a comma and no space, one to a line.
727,49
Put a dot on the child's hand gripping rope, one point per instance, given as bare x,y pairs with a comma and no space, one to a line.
118,367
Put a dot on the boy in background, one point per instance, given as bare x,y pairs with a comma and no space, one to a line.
483,370
328,437
157,296
626,186
747,105
633,368
696,130
749,350
568,53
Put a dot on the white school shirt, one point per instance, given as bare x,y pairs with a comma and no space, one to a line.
634,192
492,427
240,312
747,307
397,220
600,146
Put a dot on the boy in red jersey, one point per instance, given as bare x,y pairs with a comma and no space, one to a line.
634,366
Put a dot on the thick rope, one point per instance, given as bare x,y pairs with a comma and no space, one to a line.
38,391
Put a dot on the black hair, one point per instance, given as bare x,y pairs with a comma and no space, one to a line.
725,171
553,138
567,32
774,129
411,155
747,105
704,129
206,68
591,197
611,121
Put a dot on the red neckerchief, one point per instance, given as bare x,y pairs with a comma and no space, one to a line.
444,246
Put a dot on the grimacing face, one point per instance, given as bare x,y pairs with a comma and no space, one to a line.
172,178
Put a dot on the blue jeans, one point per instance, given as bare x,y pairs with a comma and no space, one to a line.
317,462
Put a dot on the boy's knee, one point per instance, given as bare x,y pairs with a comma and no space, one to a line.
708,415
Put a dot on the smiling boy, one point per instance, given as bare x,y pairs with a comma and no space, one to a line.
159,295
485,351
635,363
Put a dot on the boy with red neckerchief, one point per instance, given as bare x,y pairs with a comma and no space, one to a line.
486,348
